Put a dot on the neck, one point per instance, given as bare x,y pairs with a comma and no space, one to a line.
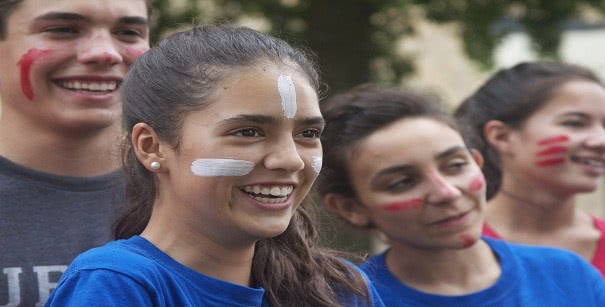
530,208
200,252
445,272
78,152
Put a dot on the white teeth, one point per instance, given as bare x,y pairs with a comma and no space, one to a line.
591,162
275,191
90,86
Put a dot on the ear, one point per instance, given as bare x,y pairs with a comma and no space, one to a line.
147,147
348,208
477,156
498,135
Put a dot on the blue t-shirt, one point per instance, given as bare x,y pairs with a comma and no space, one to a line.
531,276
134,272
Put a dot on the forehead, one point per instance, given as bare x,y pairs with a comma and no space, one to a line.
576,97
255,90
407,141
28,10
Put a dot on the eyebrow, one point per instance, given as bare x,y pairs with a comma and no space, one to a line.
270,120
578,114
407,167
50,16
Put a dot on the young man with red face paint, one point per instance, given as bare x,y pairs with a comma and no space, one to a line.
62,64
540,127
396,163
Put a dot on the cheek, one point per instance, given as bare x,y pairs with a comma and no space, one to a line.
551,151
403,205
33,57
133,53
476,183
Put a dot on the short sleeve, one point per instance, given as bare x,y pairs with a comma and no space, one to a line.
99,287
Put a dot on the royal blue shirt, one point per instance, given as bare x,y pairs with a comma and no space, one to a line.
531,276
134,272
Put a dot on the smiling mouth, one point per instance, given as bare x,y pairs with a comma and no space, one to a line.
89,87
589,161
274,194
450,219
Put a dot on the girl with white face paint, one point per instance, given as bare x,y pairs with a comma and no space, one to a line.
395,163
224,126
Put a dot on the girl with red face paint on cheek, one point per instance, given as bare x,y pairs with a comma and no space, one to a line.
396,163
540,128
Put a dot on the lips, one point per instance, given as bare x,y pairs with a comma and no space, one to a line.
451,220
269,194
90,85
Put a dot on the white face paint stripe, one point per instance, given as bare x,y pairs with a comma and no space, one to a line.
287,93
221,167
317,162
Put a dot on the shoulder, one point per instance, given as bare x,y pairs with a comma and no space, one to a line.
374,297
542,260
122,257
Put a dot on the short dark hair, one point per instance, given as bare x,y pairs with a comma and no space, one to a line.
354,115
512,95
8,6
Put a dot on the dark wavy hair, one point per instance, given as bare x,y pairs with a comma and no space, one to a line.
512,95
180,76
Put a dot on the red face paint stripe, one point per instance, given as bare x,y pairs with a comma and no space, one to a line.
444,188
134,54
556,139
550,162
477,183
408,204
25,63
467,241
552,150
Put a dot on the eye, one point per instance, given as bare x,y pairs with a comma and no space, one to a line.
311,134
248,133
402,184
62,30
456,166
129,33
574,123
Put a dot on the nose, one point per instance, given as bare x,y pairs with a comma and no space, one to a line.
284,156
440,190
99,48
596,139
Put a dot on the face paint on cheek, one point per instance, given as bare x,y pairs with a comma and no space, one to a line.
404,205
554,139
287,94
317,162
553,151
25,63
467,240
221,167
443,186
477,182
132,54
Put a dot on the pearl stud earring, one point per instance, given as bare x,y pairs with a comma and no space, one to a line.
155,165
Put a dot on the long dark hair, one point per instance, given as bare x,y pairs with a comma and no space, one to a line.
180,76
512,95
354,115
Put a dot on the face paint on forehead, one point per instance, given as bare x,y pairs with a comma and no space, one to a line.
317,162
221,167
287,94
25,63
404,205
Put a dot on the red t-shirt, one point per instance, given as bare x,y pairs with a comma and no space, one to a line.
599,257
